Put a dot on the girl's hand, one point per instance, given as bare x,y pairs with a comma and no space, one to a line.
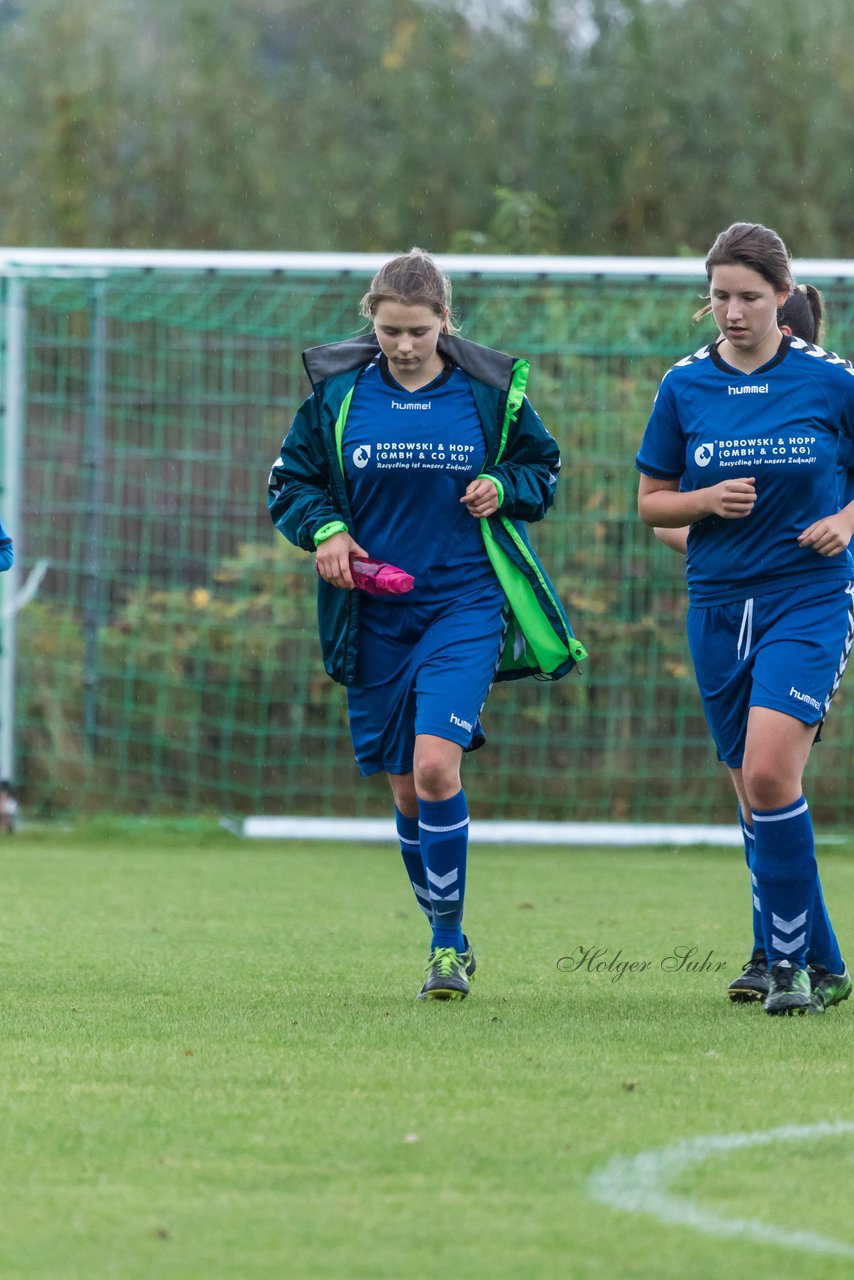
731,499
332,560
828,536
481,498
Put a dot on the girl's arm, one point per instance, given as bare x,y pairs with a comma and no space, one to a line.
675,539
299,495
663,505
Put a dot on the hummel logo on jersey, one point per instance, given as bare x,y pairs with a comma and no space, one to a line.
759,390
362,455
412,404
703,454
462,724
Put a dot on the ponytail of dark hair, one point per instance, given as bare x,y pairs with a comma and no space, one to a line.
803,313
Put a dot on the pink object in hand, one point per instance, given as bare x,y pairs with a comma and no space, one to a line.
379,578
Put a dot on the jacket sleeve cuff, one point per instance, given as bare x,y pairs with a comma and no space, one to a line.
498,485
327,530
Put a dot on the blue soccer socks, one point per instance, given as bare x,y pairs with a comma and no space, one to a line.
410,848
444,829
748,835
796,925
824,948
786,878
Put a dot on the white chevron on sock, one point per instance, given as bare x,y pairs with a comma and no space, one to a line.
788,926
788,947
442,882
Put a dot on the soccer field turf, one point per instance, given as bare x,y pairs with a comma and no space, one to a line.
214,1066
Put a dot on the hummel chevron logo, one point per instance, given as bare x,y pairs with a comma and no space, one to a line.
424,900
789,926
788,947
442,882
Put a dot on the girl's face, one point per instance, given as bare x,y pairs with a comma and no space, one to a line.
745,306
407,334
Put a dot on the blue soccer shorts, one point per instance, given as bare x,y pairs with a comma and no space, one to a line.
422,669
786,651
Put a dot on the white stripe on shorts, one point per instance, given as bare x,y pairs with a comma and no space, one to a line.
745,635
846,652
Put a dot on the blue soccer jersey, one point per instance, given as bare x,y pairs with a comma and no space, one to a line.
781,425
408,458
846,468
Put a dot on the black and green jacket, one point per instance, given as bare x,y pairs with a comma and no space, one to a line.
307,491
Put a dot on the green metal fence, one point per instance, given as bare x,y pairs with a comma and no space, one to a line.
169,660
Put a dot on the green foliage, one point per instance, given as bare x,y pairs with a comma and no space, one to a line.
522,223
192,703
621,126
52,711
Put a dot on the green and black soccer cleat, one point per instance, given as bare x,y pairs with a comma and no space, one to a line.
828,988
789,989
448,973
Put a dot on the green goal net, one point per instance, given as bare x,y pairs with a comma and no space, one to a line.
169,660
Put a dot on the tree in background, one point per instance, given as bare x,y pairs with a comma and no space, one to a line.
571,126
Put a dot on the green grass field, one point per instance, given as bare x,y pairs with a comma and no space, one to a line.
214,1066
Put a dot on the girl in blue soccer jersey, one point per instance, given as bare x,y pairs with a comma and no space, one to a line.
420,448
800,316
754,421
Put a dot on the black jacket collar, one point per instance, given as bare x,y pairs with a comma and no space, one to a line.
492,367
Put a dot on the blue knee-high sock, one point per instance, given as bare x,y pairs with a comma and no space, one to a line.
410,848
823,948
749,841
785,870
444,831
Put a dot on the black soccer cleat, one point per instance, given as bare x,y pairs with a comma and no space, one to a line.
754,981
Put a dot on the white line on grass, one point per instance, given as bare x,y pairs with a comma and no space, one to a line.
610,834
284,827
641,1184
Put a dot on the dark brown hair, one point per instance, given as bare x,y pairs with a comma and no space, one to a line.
803,312
749,244
413,279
